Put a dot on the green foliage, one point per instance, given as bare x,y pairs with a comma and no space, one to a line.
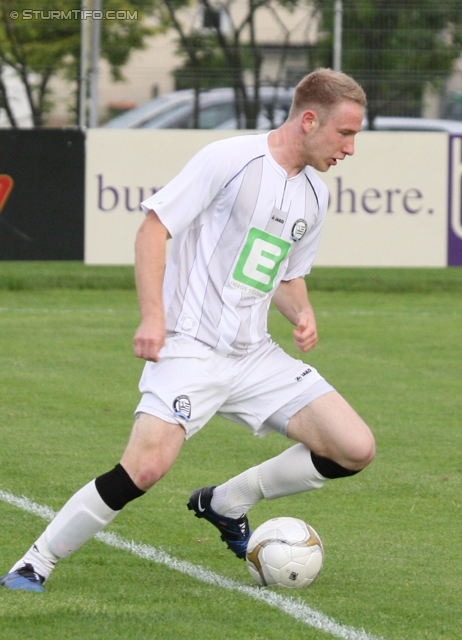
38,47
124,36
391,533
226,53
395,48
209,67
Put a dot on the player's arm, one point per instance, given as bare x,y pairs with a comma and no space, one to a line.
150,251
291,299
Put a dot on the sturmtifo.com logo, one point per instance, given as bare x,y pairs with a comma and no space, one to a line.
73,14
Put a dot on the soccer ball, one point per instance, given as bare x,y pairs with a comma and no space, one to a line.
284,552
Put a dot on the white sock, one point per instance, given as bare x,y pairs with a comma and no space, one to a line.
235,497
289,473
40,557
83,516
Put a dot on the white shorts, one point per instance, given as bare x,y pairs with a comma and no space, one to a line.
261,390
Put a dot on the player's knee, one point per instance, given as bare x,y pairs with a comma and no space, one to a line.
148,472
360,453
344,464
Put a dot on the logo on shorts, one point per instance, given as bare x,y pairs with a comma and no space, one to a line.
182,407
299,229
303,374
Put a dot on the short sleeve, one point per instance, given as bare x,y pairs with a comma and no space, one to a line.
192,190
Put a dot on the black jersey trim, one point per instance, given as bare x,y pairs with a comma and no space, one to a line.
314,191
242,169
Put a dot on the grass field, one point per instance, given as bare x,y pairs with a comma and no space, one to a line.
390,341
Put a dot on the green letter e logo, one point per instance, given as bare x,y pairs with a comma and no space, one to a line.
259,263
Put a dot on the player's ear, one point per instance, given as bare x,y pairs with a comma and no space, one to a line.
309,119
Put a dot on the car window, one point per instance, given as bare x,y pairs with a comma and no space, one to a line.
182,117
169,118
213,116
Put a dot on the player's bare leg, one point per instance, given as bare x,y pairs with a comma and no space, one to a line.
334,443
331,428
152,448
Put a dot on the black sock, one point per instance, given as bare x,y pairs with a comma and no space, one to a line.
330,469
116,488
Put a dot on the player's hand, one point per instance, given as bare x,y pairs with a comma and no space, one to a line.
305,335
149,339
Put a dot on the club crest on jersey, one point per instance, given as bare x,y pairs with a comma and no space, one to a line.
182,407
299,229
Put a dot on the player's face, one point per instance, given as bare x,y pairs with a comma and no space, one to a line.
331,141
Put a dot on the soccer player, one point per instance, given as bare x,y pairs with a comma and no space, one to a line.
245,215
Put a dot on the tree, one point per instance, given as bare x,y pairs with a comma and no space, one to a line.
395,49
39,44
225,50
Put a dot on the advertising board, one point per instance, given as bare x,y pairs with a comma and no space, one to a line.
395,203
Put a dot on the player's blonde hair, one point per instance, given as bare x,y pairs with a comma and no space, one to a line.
324,88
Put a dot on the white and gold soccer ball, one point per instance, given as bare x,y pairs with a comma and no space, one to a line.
284,552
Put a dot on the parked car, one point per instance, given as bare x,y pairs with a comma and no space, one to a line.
176,111
383,123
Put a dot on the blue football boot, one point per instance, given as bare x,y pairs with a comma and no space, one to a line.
234,531
24,579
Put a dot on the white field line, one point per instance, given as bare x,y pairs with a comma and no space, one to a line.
291,606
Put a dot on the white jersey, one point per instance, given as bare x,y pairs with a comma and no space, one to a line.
239,227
